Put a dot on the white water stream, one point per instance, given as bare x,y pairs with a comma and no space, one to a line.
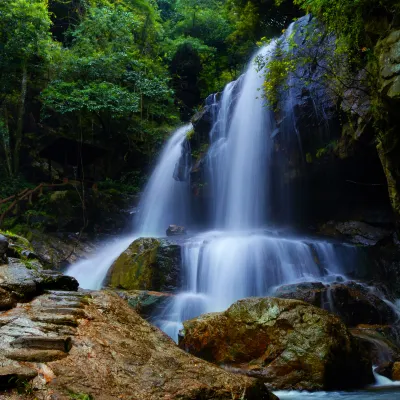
164,202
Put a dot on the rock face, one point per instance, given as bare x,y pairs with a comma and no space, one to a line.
145,303
175,230
147,264
105,350
354,303
381,342
356,232
289,344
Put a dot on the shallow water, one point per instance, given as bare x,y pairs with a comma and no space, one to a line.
389,393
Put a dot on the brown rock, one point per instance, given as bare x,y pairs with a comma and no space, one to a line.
117,353
396,371
289,344
7,300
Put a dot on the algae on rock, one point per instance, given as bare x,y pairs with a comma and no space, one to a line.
147,264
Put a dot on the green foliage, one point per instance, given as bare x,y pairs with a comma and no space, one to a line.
80,396
347,19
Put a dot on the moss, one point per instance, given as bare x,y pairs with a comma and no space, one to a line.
190,134
148,264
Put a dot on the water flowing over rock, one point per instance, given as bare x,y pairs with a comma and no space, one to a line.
288,344
175,230
354,303
165,199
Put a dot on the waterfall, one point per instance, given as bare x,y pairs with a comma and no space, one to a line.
244,257
164,202
165,199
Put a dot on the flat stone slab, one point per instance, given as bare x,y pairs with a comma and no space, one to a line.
43,342
35,355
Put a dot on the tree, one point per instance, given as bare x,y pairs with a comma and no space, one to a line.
25,47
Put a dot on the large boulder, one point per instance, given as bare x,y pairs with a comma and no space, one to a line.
147,264
115,354
354,303
288,344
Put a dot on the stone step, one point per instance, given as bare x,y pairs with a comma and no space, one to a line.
77,299
11,375
70,320
62,330
43,342
35,355
69,303
77,312
65,293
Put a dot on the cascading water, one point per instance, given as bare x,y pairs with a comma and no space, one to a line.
164,202
165,199
241,259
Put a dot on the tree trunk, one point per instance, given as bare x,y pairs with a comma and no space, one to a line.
5,134
20,119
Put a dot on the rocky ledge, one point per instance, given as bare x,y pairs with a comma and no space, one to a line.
73,343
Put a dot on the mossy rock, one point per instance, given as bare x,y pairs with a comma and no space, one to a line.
288,344
147,264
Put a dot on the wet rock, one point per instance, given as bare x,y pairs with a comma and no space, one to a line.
385,370
18,280
356,232
175,230
7,300
58,251
53,280
3,247
381,342
288,344
145,302
147,264
396,371
354,303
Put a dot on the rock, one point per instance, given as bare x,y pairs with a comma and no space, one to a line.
396,371
54,280
3,247
147,264
42,342
381,342
385,370
116,354
354,303
59,251
35,355
356,232
13,373
7,300
18,280
145,302
175,230
288,344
